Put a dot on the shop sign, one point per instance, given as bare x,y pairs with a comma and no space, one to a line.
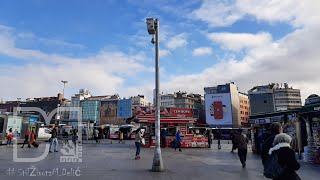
181,112
262,121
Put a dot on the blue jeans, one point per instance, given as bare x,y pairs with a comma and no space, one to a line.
138,148
55,142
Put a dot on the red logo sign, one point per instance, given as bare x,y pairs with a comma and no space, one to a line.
180,112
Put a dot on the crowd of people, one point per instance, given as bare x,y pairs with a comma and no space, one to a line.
277,156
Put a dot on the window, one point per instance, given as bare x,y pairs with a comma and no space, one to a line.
265,101
1,124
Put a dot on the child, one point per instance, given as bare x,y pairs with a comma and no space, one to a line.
9,137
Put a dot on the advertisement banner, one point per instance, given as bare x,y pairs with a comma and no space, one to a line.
108,112
218,109
181,112
15,123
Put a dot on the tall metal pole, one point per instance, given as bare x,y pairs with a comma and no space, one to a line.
157,165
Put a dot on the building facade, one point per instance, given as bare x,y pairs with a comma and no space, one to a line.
138,101
244,108
272,97
124,108
222,106
91,110
76,102
167,100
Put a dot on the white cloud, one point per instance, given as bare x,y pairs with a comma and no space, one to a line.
217,13
292,59
238,41
202,51
177,41
164,52
41,73
224,13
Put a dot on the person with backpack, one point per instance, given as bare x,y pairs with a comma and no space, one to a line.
281,163
9,137
26,138
275,128
242,144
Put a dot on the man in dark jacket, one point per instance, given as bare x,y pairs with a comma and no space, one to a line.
275,129
242,143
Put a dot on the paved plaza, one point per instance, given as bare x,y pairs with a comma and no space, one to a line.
116,161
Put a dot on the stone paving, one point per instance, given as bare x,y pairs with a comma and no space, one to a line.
116,161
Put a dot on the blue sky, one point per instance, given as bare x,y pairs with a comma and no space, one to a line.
104,45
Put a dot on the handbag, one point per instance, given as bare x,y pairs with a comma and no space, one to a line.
143,141
271,167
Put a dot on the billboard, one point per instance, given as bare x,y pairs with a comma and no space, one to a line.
218,109
108,112
15,123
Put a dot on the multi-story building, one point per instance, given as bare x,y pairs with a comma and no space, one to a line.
244,108
104,108
272,97
138,101
124,108
287,98
222,105
167,100
46,104
91,110
184,100
75,102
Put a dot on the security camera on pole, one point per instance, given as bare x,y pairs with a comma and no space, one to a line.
153,29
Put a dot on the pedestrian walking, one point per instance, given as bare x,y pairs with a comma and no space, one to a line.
242,144
74,136
96,135
286,163
218,136
178,141
26,138
33,139
210,137
121,137
9,137
275,129
163,138
137,142
233,141
54,140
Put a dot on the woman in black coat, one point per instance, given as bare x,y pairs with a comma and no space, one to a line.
286,158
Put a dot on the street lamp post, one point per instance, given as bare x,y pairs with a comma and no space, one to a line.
64,85
153,29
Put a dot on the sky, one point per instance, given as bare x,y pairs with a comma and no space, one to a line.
104,46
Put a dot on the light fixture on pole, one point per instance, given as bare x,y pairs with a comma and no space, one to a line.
64,85
153,29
